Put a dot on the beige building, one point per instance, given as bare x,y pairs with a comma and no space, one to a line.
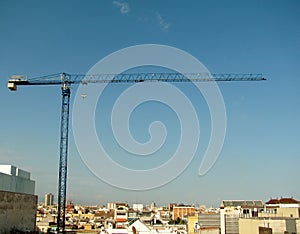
195,227
49,198
192,224
232,210
288,212
280,215
281,207
274,225
182,211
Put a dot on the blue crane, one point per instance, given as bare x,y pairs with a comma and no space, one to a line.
66,80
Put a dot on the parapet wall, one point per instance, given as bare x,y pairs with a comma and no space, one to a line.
18,184
17,212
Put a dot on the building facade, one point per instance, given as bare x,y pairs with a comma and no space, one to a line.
274,225
138,207
232,210
13,179
121,216
182,211
18,203
49,198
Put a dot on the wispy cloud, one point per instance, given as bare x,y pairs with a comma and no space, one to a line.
123,6
162,22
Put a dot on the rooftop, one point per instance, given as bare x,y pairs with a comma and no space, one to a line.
283,200
242,203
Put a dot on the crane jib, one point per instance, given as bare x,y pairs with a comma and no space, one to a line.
63,78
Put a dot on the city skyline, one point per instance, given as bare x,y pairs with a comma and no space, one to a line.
260,155
137,205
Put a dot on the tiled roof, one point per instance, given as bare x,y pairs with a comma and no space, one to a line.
283,200
109,214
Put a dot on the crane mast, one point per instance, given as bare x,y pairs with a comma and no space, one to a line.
66,80
63,158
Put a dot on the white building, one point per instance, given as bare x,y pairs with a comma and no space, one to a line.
121,216
111,206
138,207
13,179
139,227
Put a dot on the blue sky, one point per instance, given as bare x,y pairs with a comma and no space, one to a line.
260,156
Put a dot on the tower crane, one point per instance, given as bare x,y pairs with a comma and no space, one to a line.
66,80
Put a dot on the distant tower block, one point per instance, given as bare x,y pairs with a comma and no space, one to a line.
49,197
153,206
